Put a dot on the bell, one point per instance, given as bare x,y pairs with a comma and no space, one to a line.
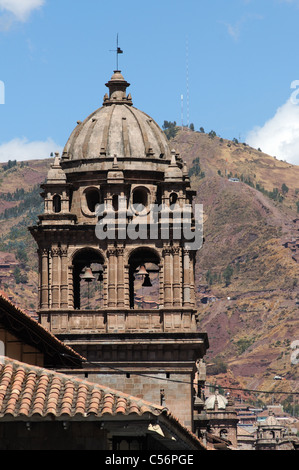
88,276
147,281
142,271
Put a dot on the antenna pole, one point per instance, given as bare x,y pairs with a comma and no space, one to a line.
118,51
187,79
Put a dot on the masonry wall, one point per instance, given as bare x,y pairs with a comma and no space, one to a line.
175,390
18,350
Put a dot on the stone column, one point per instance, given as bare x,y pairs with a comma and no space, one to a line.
105,286
70,286
64,278
127,285
112,269
161,285
186,277
177,301
192,282
65,202
167,276
55,277
44,279
120,283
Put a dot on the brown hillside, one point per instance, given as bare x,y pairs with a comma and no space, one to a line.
252,321
14,236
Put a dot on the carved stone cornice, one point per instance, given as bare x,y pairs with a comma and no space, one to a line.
55,251
111,252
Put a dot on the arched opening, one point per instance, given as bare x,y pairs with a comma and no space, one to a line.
56,204
88,279
144,279
223,433
92,199
173,200
140,199
115,202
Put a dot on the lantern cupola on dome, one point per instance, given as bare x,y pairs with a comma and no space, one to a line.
117,128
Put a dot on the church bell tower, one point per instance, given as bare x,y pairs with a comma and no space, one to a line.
117,244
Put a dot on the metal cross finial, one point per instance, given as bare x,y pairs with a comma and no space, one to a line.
118,51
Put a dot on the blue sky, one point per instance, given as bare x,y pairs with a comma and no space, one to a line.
234,62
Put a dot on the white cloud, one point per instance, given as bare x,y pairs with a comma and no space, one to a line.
22,149
17,10
234,30
279,136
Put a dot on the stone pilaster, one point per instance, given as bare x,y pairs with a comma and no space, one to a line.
120,277
64,278
112,271
186,278
44,278
177,300
55,277
167,256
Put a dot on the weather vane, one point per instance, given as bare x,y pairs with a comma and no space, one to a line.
118,51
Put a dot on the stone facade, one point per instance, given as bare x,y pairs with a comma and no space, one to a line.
99,221
271,435
217,415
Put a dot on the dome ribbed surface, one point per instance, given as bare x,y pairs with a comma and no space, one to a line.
216,400
117,128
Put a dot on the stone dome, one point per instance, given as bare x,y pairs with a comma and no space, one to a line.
270,420
216,401
117,128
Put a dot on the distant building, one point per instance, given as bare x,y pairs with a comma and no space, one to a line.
217,417
271,435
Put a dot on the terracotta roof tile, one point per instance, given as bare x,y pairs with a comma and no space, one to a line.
26,390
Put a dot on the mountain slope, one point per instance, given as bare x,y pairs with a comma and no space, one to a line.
246,276
246,280
20,204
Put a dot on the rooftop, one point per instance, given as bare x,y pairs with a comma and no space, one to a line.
33,393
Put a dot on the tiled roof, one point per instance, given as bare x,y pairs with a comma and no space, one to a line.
26,391
34,393
28,329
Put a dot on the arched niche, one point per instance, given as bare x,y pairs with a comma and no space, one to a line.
88,279
57,204
173,198
90,199
144,278
140,199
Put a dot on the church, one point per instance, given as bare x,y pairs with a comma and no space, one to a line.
114,205
117,244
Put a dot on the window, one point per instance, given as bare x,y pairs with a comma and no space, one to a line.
115,202
88,279
173,199
56,204
140,199
144,284
92,199
129,443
